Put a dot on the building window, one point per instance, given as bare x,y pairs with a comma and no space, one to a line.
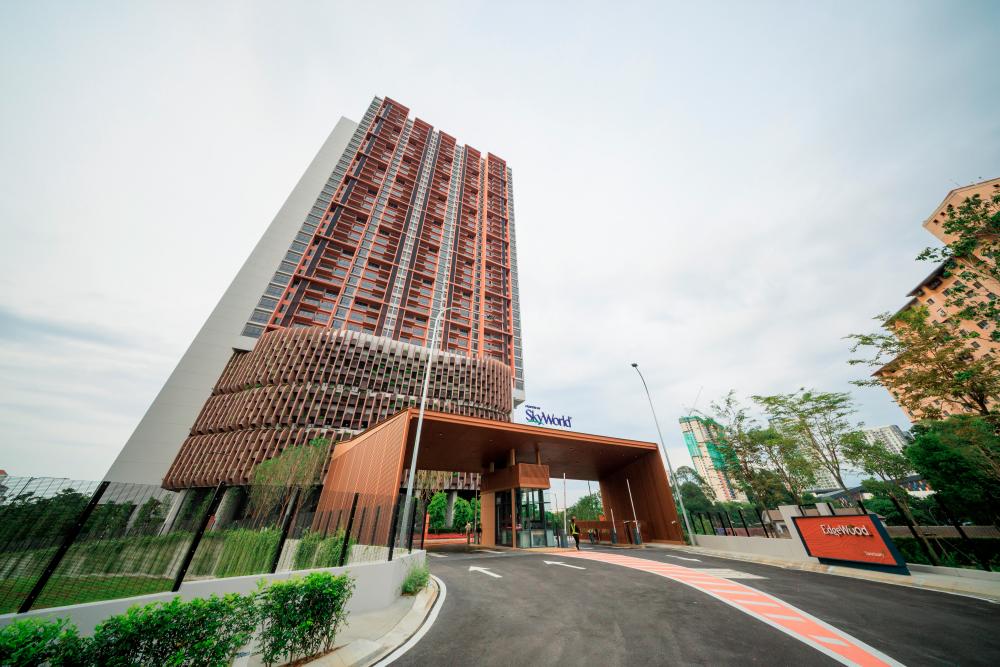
253,331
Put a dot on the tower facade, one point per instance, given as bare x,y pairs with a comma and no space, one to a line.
327,327
701,436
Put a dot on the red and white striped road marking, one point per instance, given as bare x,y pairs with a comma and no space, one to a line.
767,608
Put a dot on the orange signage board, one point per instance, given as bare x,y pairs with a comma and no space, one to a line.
854,539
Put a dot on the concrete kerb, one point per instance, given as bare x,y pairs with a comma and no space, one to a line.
365,651
969,586
415,625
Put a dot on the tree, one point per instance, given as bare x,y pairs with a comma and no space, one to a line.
461,515
587,508
784,457
890,468
742,457
929,367
958,457
695,499
437,509
971,254
686,474
819,421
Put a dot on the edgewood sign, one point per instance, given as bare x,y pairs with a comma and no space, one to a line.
535,415
856,540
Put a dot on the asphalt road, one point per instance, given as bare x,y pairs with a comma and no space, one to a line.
610,615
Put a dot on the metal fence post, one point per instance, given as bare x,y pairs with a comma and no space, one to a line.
760,517
286,523
744,520
378,511
983,562
413,518
71,534
423,526
924,544
361,522
393,525
347,534
202,524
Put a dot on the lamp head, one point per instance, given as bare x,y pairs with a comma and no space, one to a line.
634,365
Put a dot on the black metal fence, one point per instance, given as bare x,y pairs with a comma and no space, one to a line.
67,542
734,521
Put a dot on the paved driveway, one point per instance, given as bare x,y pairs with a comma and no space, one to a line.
611,614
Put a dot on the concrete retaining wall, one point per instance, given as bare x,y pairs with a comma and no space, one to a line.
377,585
762,546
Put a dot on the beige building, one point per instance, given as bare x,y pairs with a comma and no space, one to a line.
933,290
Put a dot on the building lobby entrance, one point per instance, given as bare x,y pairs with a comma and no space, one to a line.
523,515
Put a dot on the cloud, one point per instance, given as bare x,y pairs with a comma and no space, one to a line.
718,193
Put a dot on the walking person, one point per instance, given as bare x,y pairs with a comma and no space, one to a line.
574,530
468,532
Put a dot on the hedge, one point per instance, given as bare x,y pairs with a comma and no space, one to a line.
295,618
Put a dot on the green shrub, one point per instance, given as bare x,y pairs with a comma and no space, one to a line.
198,632
36,641
416,579
300,617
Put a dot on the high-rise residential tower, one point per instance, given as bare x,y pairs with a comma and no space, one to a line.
933,290
326,328
702,437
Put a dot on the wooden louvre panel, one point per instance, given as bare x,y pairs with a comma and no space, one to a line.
304,383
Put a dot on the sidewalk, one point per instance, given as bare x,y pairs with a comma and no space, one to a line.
371,636
975,583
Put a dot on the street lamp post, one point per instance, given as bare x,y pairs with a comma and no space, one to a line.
663,448
420,419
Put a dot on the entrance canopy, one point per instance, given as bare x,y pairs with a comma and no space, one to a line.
468,444
630,472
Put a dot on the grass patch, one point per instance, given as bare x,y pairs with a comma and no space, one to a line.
416,580
77,590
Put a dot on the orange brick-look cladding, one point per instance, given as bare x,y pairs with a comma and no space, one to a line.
298,384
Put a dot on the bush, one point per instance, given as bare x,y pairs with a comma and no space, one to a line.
416,580
36,641
199,632
300,617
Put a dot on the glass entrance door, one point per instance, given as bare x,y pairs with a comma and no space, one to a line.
504,529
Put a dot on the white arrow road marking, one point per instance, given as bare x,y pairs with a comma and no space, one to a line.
436,555
555,562
485,571
488,551
696,560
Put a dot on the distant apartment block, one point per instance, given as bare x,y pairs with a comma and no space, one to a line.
933,290
701,437
893,437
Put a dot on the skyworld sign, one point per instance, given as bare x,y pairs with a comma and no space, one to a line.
535,415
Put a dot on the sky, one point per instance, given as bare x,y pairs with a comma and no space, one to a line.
719,192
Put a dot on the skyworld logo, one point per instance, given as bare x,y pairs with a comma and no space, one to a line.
535,415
